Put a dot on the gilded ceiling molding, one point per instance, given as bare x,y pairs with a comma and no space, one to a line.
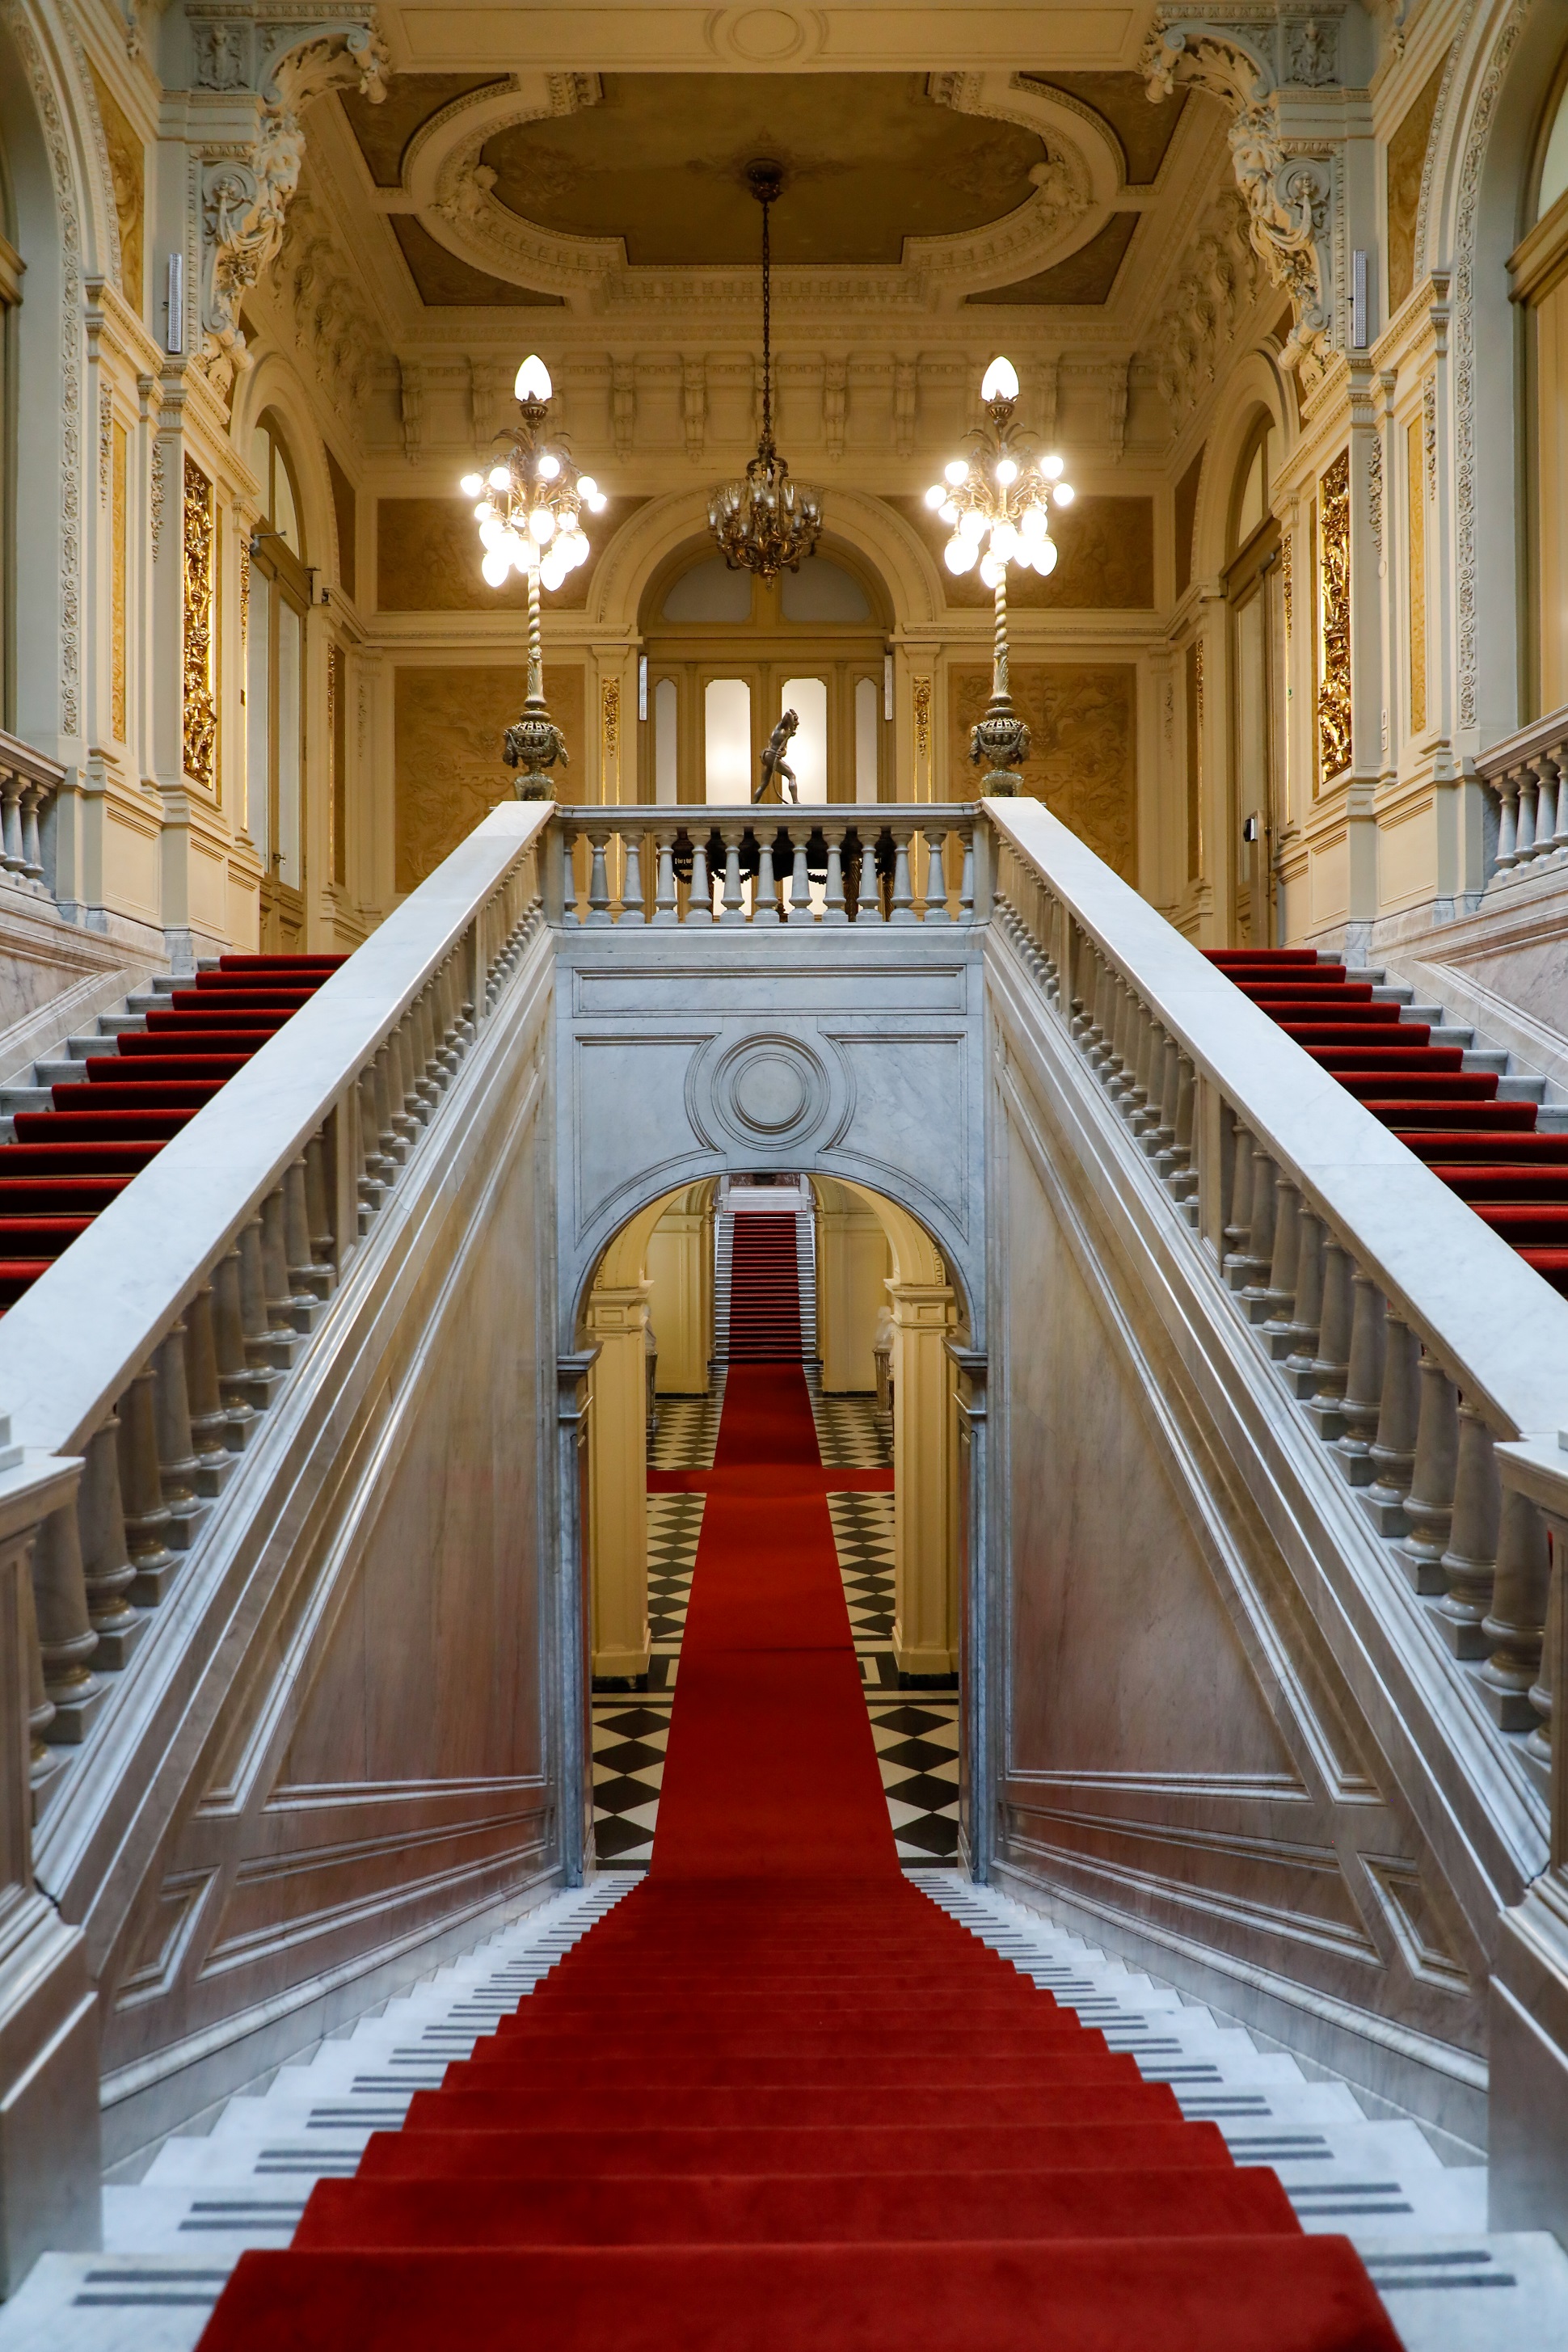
1261,68
248,185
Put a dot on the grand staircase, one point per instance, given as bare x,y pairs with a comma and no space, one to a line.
1456,1108
765,1321
96,1116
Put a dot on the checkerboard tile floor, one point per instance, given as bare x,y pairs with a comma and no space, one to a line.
851,1435
688,1430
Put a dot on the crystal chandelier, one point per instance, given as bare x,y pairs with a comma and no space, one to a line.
765,523
1001,495
529,516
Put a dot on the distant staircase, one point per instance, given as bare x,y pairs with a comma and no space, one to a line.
764,1325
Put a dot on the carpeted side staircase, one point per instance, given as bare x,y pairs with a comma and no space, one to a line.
1435,1094
764,1290
97,1117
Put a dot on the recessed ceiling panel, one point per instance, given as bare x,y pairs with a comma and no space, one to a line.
1122,100
384,131
869,160
1086,276
445,281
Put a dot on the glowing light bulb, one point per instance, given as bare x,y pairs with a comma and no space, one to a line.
971,525
588,486
483,512
935,496
1053,468
990,570
574,547
1032,523
950,511
1007,471
1043,556
1064,494
500,478
491,532
1000,381
472,484
541,526
495,567
955,471
553,569
549,468
959,554
1004,541
533,380
596,503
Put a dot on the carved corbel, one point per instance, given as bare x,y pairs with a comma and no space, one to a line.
1288,186
246,195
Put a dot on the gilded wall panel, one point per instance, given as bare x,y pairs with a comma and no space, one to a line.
127,166
447,769
117,588
1334,619
1106,561
200,662
1083,757
1405,160
428,560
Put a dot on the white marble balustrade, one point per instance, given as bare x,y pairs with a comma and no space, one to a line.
28,783
1528,775
823,864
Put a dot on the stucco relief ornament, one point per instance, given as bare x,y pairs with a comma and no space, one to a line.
1288,193
246,199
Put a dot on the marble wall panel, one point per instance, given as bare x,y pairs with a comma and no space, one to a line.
447,768
1083,759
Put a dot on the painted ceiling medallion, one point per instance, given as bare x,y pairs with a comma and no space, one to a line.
765,523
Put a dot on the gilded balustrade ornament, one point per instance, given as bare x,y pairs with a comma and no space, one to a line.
199,700
1334,619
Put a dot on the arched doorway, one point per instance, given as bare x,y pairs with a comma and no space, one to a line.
275,696
726,654
872,1383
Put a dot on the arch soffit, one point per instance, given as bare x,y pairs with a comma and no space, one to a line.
916,1257
272,386
658,531
53,91
1253,391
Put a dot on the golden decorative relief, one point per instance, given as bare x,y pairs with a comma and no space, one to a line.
1285,581
1334,619
1416,558
117,586
447,771
1083,762
127,169
610,738
200,702
922,717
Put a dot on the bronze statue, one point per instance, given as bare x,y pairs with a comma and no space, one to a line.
777,769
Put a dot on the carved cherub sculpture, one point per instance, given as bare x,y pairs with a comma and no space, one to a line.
777,769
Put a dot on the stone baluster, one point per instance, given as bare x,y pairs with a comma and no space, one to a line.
632,907
1299,1364
1184,1177
209,1414
41,1766
1469,1564
384,1144
415,1110
244,1384
11,824
966,884
1150,1117
800,880
148,1517
732,907
835,911
1515,1626
765,889
936,875
1331,1364
67,1641
1278,1328
1544,770
1160,1132
1361,1404
33,801
1430,1504
699,900
1560,835
396,1128
375,1174
1507,790
1258,1263
665,900
1113,1070
107,1572
1528,789
903,908
1233,1263
177,1461
598,876
443,1021
1398,1422
1537,1746
282,1330
570,918
318,1197
307,1282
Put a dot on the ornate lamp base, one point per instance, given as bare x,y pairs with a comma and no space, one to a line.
1003,737
533,743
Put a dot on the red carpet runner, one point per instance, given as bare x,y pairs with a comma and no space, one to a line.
764,1289
68,1162
1486,1150
777,2101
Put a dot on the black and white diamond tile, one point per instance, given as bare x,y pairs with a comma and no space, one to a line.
863,1537
851,1435
630,1736
688,1430
917,1751
674,1528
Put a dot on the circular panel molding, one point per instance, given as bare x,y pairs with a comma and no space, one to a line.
769,1092
766,36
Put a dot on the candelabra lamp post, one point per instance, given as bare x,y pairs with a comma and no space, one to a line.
998,502
530,514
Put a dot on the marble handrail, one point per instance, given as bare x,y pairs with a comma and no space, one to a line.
1526,773
705,865
149,1349
1429,1361
28,781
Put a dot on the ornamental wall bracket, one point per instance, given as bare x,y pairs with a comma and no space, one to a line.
1263,68
246,195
